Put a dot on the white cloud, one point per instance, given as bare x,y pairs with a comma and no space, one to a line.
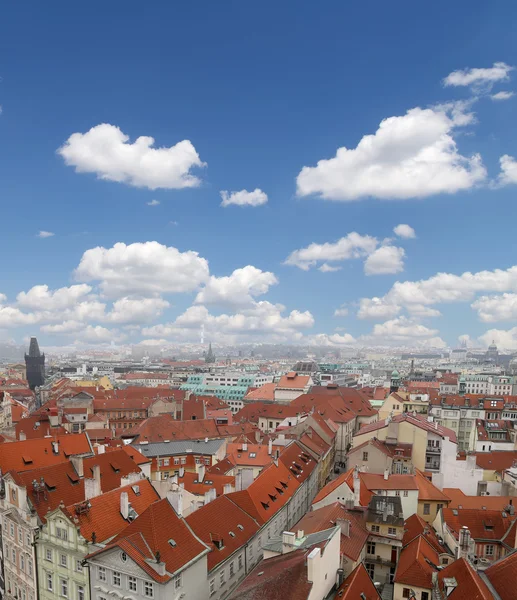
502,96
505,339
62,328
354,245
342,311
404,231
142,268
153,203
410,156
385,260
98,335
508,174
325,268
244,198
479,79
41,298
402,329
377,309
262,321
136,310
105,150
14,317
45,234
496,308
418,310
335,339
237,289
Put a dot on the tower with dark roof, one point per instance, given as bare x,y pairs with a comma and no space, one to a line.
210,356
35,365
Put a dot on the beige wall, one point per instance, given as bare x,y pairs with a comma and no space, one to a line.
399,590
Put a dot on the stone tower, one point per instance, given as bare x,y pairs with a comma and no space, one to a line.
35,365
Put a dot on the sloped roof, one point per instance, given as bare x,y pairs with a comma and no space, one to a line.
252,412
102,514
498,460
293,381
428,491
483,524
415,526
357,585
332,486
158,529
415,565
501,573
265,392
469,583
460,500
221,520
416,420
211,481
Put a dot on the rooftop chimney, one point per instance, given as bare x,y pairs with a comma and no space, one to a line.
201,473
77,462
386,474
288,540
270,447
357,488
313,561
124,505
92,487
101,449
345,526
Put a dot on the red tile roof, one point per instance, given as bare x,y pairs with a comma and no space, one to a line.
414,568
469,584
354,400
101,515
373,481
211,481
153,532
483,524
222,521
358,585
222,467
164,427
416,420
265,392
503,575
293,381
332,486
37,427
256,455
428,491
459,500
268,493
252,412
497,460
415,526
327,517
392,450
296,459
32,454
277,578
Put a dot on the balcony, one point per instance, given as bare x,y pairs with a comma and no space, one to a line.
379,560
432,465
433,450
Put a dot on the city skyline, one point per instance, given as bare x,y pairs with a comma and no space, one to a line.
320,184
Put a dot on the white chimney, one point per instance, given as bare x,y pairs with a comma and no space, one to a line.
245,447
201,473
299,534
92,487
22,437
288,540
345,526
182,472
357,488
270,447
386,474
238,481
77,462
313,561
227,488
124,505
175,498
101,449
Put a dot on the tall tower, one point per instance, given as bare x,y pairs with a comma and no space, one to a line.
395,382
35,365
210,356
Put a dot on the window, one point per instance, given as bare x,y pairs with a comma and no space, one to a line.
50,586
392,531
489,550
78,566
232,569
22,561
406,493
131,583
176,461
370,548
212,587
61,534
183,460
240,562
177,582
62,560
425,596
80,592
221,578
48,554
397,492
365,456
375,528
116,578
427,509
406,592
371,569
28,539
20,535
101,573
207,461
148,589
165,462
29,566
12,530
14,555
64,588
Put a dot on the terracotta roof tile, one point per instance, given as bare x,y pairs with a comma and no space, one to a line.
357,585
428,491
469,584
417,420
501,573
483,524
415,526
415,565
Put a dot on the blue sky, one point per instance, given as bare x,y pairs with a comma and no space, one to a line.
260,92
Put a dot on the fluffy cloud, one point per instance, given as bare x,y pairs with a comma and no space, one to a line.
342,311
354,245
147,268
404,231
385,260
63,328
238,289
105,150
496,308
263,319
14,317
508,174
325,268
98,335
377,309
479,79
153,203
335,339
505,339
410,156
244,198
402,329
502,96
41,298
45,234
136,310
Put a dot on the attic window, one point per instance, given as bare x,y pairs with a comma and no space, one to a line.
284,485
239,526
265,505
489,525
273,497
115,467
253,454
172,543
73,478
232,534
27,459
279,490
